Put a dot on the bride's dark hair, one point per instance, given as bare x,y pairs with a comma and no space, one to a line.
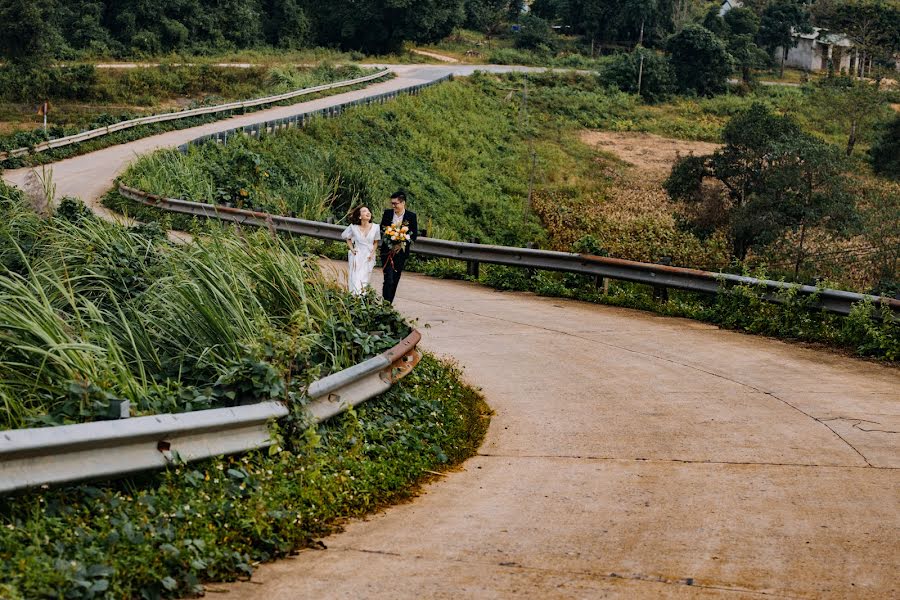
354,216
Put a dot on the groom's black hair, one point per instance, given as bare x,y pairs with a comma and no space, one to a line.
400,195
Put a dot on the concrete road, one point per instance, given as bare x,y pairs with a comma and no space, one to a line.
631,456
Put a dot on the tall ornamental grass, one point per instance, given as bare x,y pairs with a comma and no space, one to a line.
93,314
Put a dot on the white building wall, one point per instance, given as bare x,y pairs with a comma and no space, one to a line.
810,55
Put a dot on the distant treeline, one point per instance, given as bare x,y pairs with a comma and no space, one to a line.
68,28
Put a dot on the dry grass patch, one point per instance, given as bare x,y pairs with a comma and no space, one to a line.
652,154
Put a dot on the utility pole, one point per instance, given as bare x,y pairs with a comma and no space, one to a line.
640,74
531,176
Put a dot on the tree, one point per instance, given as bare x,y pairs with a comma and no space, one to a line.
27,36
741,28
852,104
700,61
777,25
804,186
885,152
872,25
487,16
775,178
379,26
535,34
287,25
643,72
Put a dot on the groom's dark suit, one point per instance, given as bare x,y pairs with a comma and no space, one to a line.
393,267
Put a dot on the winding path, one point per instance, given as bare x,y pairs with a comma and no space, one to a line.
631,455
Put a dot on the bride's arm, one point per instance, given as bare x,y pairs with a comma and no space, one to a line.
348,237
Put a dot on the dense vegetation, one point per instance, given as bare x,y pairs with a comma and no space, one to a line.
161,535
30,28
169,328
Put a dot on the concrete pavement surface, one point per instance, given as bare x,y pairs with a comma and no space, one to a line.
631,456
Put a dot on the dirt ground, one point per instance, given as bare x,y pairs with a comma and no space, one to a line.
652,154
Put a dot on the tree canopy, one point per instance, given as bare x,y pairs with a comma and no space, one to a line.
37,28
773,177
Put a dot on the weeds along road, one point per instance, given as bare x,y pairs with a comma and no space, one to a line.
631,455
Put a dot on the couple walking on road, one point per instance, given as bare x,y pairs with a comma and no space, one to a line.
393,237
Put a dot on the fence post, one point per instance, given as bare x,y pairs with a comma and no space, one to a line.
472,265
529,271
661,293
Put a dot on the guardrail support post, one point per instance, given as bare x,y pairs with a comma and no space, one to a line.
529,271
472,265
659,292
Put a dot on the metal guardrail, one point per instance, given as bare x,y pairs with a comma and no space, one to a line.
105,449
836,301
301,119
194,112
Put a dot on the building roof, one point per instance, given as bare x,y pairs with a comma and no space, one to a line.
728,5
823,36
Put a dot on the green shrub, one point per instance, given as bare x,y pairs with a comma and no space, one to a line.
657,77
700,60
885,152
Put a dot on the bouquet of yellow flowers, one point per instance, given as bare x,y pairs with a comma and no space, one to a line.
397,237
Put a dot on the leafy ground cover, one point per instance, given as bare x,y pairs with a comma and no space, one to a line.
164,534
92,314
159,89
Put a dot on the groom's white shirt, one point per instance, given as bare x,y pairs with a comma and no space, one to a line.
398,219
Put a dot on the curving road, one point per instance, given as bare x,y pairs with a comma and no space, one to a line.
631,455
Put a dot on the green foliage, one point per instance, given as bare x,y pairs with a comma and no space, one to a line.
612,22
169,328
853,106
872,25
778,21
657,77
535,34
775,178
885,152
700,61
376,26
161,535
331,166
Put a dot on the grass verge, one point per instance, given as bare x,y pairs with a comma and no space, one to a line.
164,534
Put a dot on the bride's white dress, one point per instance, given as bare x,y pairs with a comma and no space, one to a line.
360,265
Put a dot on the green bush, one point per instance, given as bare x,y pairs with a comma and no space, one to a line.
885,152
657,77
535,34
700,60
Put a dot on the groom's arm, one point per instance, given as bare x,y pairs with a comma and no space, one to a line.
414,226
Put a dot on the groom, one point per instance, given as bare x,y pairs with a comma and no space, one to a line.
393,265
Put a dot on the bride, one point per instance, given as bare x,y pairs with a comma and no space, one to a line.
362,238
